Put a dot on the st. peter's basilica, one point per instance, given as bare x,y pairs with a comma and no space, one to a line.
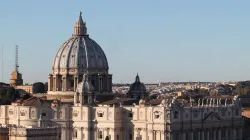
80,73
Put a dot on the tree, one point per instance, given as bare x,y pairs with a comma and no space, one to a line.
25,96
10,95
38,87
107,138
3,92
242,87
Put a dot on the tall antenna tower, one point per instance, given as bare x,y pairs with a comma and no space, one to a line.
16,65
2,62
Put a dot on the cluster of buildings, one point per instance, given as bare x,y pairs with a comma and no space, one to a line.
80,105
182,87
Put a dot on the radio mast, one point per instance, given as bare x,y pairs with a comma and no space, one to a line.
2,62
16,64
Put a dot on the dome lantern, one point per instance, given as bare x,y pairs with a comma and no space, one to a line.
80,28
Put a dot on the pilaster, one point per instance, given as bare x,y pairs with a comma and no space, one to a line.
226,134
208,137
219,134
202,135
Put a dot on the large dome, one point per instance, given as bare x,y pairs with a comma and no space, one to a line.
78,56
80,52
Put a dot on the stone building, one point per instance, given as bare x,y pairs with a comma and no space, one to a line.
29,133
80,70
25,88
4,133
12,132
16,78
170,120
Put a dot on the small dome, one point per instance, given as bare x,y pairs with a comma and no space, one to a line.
137,85
85,86
137,90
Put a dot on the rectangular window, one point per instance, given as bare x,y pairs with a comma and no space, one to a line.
237,112
100,134
22,113
131,136
176,113
75,134
100,114
44,114
75,114
130,114
157,116
11,112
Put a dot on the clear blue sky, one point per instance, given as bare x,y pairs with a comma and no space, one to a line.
188,40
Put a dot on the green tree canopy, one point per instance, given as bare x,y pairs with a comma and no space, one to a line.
242,88
39,87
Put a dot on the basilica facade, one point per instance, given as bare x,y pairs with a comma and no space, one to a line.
80,70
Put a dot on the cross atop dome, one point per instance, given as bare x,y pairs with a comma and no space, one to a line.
80,27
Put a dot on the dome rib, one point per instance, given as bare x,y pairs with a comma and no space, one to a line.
86,53
102,54
93,56
59,54
69,54
77,53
